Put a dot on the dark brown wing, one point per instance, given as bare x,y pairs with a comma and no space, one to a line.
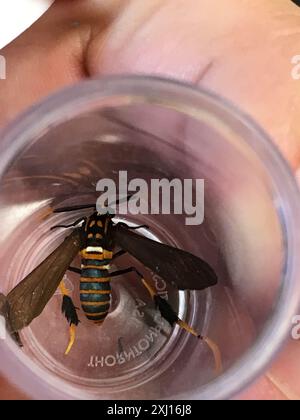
180,268
29,298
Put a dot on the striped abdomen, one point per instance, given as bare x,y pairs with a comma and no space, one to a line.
95,289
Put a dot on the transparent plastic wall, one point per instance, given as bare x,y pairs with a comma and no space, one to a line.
152,128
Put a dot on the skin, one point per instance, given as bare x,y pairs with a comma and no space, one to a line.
241,49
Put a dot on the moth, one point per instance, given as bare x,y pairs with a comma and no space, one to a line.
95,238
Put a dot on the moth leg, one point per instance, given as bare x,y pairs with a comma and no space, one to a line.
118,254
168,313
77,222
75,270
125,271
164,307
74,208
69,310
133,227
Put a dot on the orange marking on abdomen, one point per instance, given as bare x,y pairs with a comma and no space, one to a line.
96,314
95,303
105,255
97,267
95,292
88,256
95,279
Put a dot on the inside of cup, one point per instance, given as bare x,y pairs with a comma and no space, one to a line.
135,353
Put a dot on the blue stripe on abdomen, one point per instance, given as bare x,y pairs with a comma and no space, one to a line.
97,318
93,297
95,308
95,292
99,263
94,273
95,286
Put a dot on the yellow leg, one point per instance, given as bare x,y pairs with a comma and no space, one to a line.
210,343
216,353
72,339
63,289
186,327
150,289
65,292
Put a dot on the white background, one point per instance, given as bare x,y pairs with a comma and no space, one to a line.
18,15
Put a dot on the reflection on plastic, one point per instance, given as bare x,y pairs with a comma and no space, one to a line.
2,328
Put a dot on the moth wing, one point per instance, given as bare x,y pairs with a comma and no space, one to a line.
29,298
180,268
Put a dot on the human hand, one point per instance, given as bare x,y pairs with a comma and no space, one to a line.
242,49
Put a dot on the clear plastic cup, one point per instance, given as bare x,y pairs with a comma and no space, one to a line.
153,128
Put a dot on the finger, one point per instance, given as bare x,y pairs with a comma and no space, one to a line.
263,389
10,392
204,54
48,56
282,380
242,50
